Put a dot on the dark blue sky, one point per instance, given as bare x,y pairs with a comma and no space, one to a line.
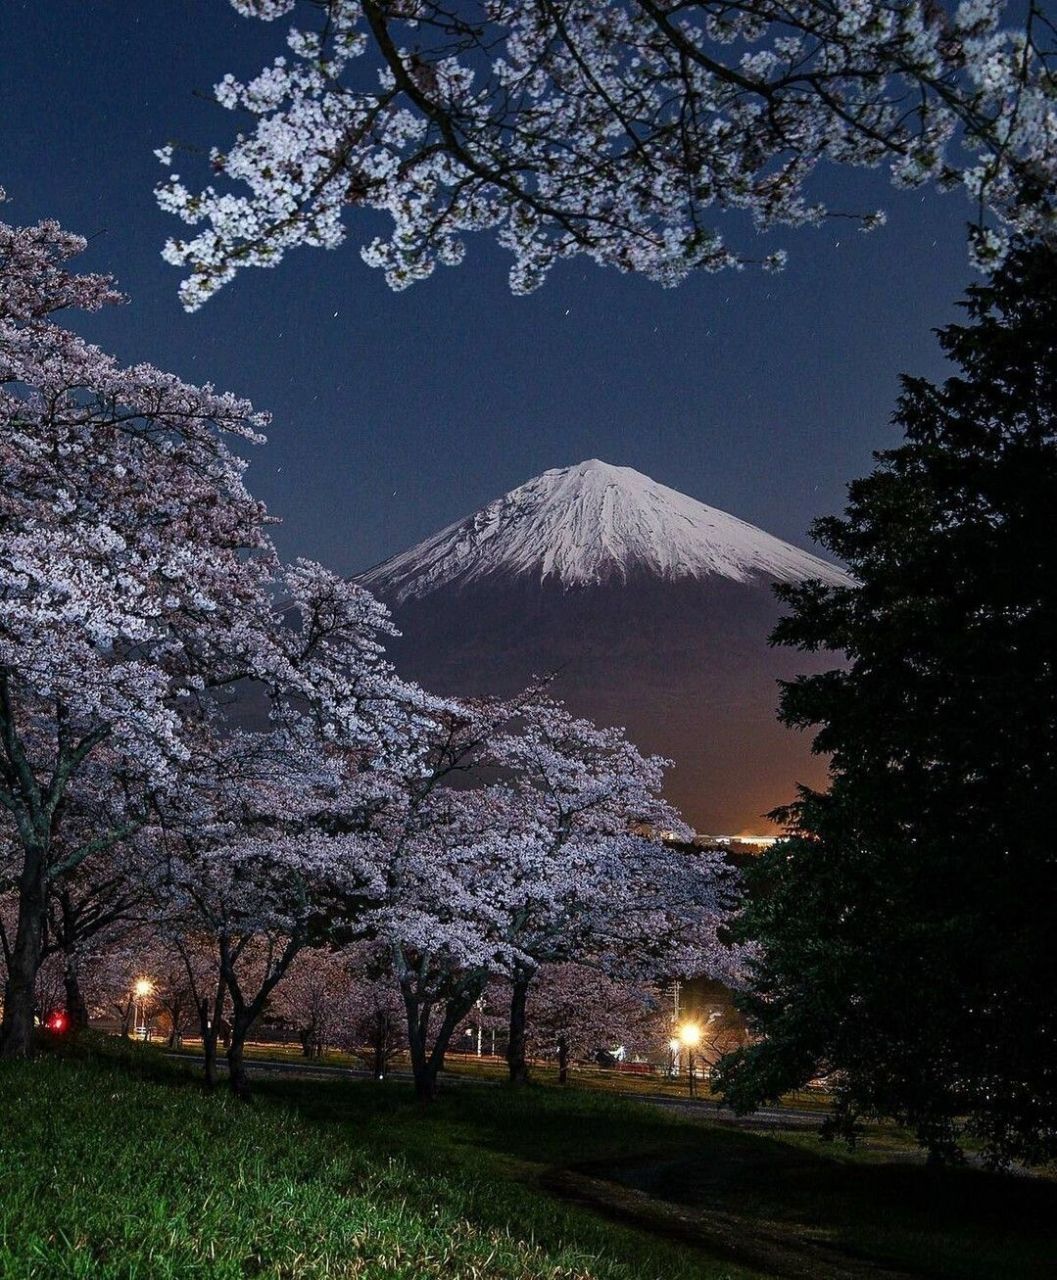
396,413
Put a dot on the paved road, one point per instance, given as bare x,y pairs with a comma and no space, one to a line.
765,1118
298,1068
699,1108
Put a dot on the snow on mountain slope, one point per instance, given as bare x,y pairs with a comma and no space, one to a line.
594,523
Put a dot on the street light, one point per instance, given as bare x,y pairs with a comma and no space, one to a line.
141,989
479,1006
689,1038
673,1057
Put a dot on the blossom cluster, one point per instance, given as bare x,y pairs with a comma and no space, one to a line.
622,131
196,735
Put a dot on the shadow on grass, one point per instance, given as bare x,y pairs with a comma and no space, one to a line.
785,1205
499,1146
627,1182
832,1212
109,1168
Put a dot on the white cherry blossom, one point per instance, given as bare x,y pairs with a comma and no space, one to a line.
647,135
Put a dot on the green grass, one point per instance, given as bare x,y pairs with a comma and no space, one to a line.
106,1173
124,1168
879,1205
783,1203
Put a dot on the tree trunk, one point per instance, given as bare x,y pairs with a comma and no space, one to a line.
76,1008
238,1077
423,1067
209,1054
427,1063
563,1060
515,1050
209,1029
426,1082
16,1032
176,1014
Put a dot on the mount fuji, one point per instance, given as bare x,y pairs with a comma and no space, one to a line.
651,608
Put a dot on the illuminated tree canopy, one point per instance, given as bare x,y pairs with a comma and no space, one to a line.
623,130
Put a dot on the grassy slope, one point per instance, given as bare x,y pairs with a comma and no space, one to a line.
831,1206
107,1174
103,1174
826,1211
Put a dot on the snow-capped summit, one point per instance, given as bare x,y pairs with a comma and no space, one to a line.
648,609
594,523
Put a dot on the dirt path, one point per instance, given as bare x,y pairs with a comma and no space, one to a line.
774,1249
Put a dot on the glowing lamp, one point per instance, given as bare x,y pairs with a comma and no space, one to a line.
690,1034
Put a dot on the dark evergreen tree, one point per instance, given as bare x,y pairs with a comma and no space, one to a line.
908,926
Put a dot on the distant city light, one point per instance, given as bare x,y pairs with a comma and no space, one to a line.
766,841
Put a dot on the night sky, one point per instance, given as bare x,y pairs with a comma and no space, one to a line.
397,413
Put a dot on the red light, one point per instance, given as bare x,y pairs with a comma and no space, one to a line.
57,1022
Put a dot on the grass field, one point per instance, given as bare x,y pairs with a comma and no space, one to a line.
125,1169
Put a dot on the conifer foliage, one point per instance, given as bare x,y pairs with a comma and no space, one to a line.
907,925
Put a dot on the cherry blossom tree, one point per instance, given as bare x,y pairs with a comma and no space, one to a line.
189,961
111,975
271,845
514,846
137,584
443,923
91,909
100,902
132,559
634,910
576,1010
253,903
486,1020
174,992
594,882
48,984
314,999
250,871
444,845
48,988
624,130
376,1018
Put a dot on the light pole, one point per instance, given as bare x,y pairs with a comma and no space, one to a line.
141,989
690,1037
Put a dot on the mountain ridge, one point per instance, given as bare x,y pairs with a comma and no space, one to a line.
591,523
663,633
